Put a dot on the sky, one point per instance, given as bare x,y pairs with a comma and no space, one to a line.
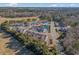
39,4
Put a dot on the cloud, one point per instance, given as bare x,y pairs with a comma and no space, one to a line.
39,5
12,4
64,5
58,5
72,5
53,5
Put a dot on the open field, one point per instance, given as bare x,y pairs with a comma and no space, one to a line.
3,44
2,19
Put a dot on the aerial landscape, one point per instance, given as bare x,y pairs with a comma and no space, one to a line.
39,29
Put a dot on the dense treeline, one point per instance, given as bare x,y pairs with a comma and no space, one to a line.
25,12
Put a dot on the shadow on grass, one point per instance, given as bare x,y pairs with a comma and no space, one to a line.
5,35
24,51
18,47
